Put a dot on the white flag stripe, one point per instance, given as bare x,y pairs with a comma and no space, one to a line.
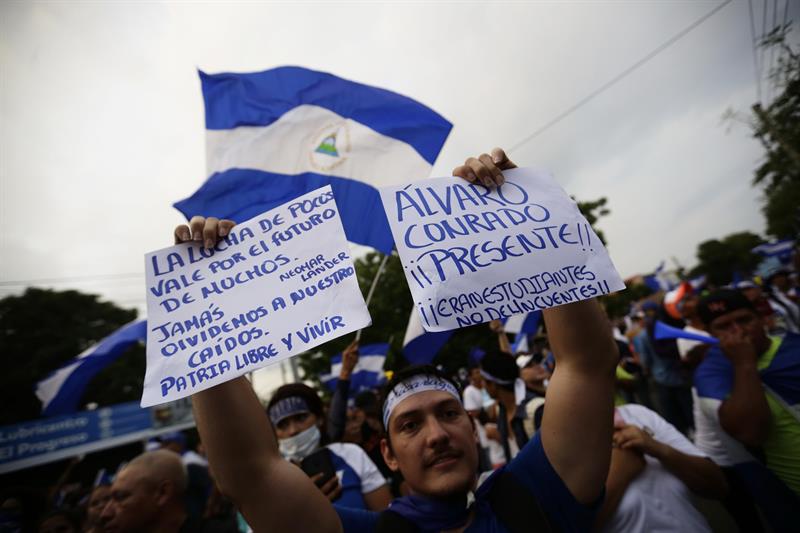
514,323
47,389
367,155
414,328
370,363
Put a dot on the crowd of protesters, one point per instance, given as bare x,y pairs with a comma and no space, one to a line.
694,420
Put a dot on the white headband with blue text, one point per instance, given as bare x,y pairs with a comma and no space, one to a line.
412,386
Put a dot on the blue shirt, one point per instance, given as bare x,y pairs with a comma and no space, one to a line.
357,474
665,371
532,470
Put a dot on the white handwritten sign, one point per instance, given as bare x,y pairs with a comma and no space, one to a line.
472,254
279,284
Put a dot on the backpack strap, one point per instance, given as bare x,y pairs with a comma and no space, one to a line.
516,507
534,410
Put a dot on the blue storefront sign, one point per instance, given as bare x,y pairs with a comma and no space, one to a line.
51,439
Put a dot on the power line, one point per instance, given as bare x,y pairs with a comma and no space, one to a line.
73,279
772,47
763,51
669,42
755,50
785,12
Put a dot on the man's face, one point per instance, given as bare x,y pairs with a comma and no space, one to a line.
292,425
781,281
689,306
747,321
752,293
134,505
97,502
433,444
476,378
352,428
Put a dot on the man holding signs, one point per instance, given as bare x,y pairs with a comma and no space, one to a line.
554,483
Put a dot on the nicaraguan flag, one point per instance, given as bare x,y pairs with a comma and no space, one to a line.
781,249
665,331
272,136
522,326
368,372
61,391
420,346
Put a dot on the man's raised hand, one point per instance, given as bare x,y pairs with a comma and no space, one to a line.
206,230
485,169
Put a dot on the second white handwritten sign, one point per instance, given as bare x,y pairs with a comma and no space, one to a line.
471,254
279,284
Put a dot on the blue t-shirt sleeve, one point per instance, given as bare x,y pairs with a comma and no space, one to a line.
356,520
533,470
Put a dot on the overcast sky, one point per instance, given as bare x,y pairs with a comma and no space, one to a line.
101,118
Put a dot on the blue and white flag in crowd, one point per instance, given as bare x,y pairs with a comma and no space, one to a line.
61,391
665,331
368,372
660,279
522,326
272,136
780,249
420,346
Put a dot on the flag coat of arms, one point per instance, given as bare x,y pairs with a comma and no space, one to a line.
272,136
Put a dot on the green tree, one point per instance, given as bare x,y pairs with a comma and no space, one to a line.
719,260
41,330
618,304
778,128
594,210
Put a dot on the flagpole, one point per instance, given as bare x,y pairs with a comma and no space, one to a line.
381,268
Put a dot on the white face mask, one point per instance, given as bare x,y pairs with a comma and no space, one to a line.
298,447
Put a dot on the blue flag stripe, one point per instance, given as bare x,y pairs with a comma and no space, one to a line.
422,349
240,194
85,368
260,98
381,348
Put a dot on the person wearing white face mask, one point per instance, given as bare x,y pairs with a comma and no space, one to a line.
295,411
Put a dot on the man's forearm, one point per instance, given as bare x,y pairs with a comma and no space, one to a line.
577,422
745,414
235,432
702,476
580,336
337,414
616,485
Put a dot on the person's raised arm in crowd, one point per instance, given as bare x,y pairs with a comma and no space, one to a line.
577,424
337,414
502,339
271,493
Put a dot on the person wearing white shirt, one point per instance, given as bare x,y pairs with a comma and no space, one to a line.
654,470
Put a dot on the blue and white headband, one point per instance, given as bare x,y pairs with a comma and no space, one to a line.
412,386
520,391
287,407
